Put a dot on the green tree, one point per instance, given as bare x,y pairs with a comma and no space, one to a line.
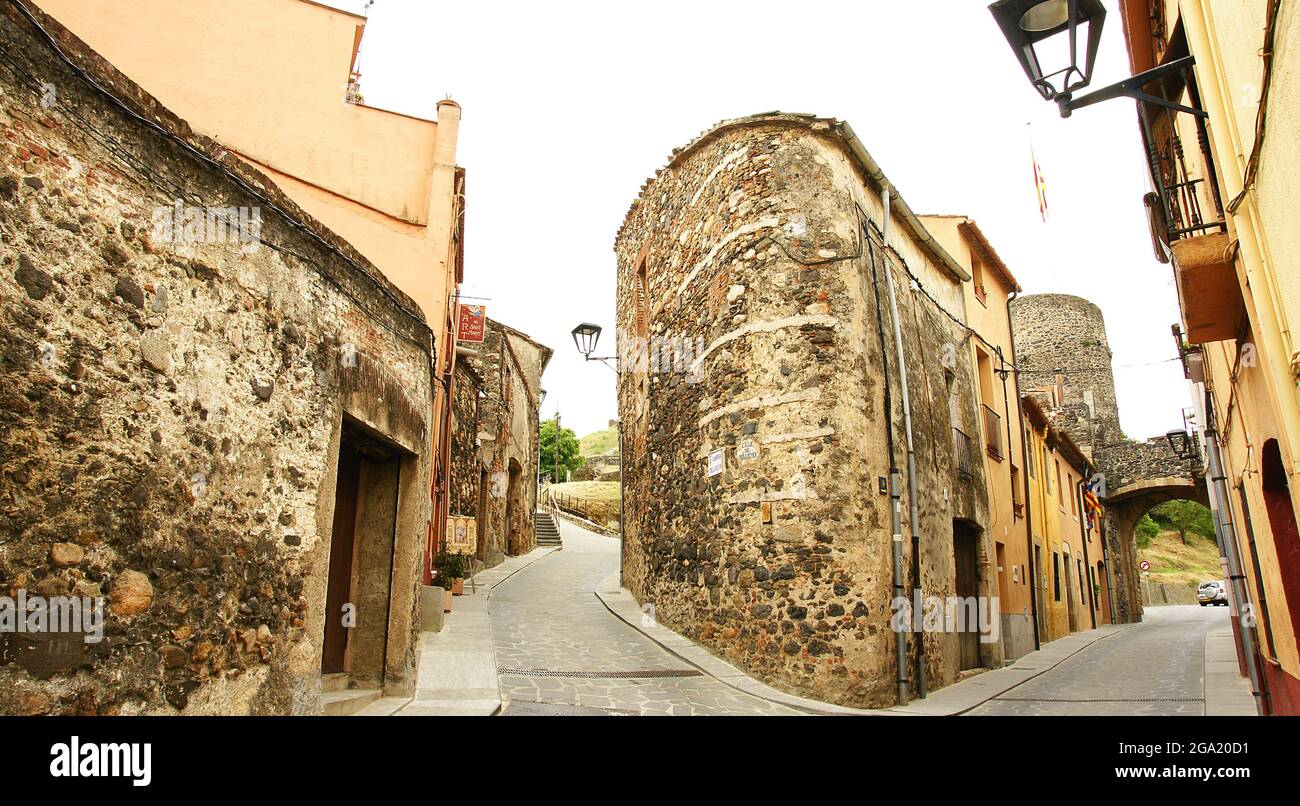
570,457
1184,517
1146,530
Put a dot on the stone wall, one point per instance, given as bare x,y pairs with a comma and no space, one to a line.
463,485
1059,331
756,268
508,367
173,411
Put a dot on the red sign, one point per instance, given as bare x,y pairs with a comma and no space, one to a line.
471,323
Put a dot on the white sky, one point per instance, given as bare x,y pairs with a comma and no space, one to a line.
569,107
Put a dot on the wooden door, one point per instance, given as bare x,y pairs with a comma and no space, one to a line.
966,556
342,539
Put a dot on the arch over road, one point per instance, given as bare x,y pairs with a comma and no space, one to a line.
1125,506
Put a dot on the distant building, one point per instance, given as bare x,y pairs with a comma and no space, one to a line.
495,449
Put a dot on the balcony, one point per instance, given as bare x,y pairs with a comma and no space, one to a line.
992,432
963,453
1208,287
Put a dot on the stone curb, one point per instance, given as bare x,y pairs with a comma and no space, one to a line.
622,604
457,667
952,700
1224,691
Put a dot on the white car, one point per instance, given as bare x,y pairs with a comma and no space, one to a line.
1212,593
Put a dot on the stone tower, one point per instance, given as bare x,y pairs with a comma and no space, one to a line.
1064,358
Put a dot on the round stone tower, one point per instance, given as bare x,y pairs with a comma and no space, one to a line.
1062,351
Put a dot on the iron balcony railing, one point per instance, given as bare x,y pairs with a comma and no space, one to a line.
992,432
963,453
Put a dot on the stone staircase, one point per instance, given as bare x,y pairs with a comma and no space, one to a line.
548,534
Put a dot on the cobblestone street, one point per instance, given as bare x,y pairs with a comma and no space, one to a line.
560,651
1155,668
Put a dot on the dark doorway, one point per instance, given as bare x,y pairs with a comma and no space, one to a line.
515,509
359,584
342,547
481,516
965,549
1281,520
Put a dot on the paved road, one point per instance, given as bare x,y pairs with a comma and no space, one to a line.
1153,668
560,651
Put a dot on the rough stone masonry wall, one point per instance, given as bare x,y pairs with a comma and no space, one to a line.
463,486
1060,330
752,252
507,422
171,412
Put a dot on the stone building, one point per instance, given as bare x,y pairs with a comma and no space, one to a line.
219,435
277,82
1064,359
495,440
758,522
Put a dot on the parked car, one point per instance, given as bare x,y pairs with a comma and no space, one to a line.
1212,593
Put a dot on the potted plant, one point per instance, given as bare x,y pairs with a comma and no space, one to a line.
451,572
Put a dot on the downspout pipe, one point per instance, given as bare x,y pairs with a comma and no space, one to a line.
1227,536
1029,504
895,505
1083,538
912,497
1006,406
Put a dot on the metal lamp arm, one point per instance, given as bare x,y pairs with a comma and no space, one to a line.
1132,87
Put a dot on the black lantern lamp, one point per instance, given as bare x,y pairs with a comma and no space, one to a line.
541,398
1027,24
1056,43
1180,442
585,336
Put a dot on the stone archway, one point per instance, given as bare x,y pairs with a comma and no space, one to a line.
1125,506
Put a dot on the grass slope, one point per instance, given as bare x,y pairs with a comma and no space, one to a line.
599,442
1171,561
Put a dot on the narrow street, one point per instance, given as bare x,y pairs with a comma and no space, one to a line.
559,650
1155,668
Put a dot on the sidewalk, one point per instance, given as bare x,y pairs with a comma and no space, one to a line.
456,674
949,701
1227,693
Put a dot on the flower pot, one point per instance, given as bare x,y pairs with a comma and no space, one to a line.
458,587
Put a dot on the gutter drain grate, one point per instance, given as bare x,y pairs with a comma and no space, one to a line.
648,673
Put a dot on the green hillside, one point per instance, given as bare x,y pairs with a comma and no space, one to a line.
599,442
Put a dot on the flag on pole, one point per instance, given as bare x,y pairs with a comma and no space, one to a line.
1040,184
1091,504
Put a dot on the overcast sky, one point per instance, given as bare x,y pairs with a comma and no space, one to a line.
569,107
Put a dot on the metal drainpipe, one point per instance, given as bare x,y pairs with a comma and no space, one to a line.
1083,538
1006,406
1227,536
1024,460
895,505
912,498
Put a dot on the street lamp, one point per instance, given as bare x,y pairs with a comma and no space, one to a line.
1180,443
1045,37
585,337
541,399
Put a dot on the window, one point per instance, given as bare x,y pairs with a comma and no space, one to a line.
1056,576
1047,476
1074,499
642,302
1060,490
977,278
1029,452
